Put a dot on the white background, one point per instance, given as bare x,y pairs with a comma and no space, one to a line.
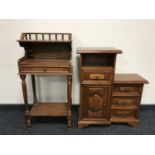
135,37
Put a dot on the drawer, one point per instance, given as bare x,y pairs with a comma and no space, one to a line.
105,75
124,113
43,69
123,89
125,101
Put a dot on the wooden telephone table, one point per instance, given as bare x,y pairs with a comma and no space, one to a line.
46,54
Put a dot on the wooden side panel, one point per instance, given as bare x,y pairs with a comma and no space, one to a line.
52,51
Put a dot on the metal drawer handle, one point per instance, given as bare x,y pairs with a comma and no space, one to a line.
96,76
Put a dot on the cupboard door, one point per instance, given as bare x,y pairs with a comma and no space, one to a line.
95,101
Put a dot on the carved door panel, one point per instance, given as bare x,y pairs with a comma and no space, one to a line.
96,100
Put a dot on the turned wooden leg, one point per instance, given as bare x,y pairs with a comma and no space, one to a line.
34,89
134,124
27,112
69,96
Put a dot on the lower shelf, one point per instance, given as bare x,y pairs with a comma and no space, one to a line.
49,109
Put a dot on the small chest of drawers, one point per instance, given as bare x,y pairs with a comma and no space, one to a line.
126,98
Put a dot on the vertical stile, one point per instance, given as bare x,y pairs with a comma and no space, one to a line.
29,36
25,36
55,37
69,37
62,37
49,36
36,36
43,36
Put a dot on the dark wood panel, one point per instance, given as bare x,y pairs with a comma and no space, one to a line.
98,59
95,101
125,102
124,113
97,73
127,89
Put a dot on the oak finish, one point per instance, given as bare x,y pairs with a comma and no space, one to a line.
126,98
106,97
97,67
46,54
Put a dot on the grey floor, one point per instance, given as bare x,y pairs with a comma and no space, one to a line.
12,123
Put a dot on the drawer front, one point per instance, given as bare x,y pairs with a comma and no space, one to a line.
125,101
97,75
43,69
124,113
123,89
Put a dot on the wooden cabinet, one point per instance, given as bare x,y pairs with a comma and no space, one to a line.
126,98
106,97
97,66
46,54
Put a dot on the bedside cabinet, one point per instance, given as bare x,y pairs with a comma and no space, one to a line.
126,98
97,67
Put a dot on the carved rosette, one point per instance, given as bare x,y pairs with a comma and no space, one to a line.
95,106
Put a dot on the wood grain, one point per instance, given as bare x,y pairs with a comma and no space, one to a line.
49,109
107,50
46,54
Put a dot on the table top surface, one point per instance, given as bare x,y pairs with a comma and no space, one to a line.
129,78
82,50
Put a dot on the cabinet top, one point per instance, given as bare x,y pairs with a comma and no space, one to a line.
108,50
129,79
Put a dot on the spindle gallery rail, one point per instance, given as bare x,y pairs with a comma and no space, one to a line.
53,37
46,54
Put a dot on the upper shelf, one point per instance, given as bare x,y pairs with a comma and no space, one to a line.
45,37
46,45
110,50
